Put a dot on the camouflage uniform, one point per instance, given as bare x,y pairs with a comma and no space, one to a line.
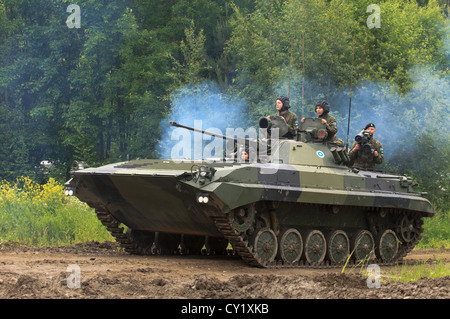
332,129
291,121
366,162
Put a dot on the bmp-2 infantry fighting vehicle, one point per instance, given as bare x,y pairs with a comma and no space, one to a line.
296,205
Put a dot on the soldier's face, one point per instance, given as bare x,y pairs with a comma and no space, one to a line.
279,105
319,110
371,130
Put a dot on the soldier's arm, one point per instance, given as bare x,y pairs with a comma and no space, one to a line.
291,124
331,125
352,152
378,159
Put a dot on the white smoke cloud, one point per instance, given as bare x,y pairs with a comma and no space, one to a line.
204,107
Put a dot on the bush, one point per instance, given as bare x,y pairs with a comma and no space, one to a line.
436,231
42,215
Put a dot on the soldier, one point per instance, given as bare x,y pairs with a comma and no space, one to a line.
248,155
366,155
282,106
322,110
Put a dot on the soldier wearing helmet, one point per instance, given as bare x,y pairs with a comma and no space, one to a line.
282,106
322,109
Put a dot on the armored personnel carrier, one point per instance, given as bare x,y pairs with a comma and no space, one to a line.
296,203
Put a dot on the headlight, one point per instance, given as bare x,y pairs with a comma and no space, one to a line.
70,191
202,198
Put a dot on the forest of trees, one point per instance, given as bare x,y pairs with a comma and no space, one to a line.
104,91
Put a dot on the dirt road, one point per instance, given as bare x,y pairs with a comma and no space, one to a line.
105,272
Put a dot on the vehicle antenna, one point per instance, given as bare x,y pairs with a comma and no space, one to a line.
350,101
290,66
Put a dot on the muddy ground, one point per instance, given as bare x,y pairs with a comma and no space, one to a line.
106,272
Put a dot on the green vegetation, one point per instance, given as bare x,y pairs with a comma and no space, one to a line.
406,273
436,231
42,215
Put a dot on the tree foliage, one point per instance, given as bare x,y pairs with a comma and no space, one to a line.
99,93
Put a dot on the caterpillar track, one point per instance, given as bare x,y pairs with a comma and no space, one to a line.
246,251
243,243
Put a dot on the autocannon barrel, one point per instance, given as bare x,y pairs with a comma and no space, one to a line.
171,123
